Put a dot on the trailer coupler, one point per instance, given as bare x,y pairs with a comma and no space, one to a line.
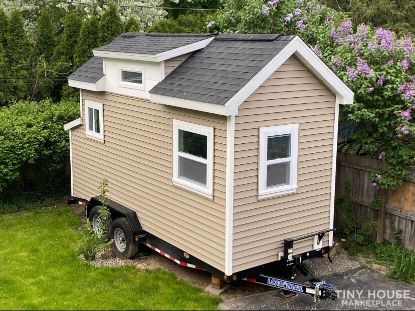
319,290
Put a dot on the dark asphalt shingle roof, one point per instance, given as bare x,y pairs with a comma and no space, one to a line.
217,72
90,72
151,43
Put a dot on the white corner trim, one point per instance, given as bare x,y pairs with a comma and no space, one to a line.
189,104
309,58
158,57
184,49
70,125
96,87
333,172
230,146
70,159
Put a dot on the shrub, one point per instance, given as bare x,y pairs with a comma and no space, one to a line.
403,265
33,144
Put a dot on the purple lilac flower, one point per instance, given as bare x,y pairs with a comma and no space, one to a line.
335,36
346,27
288,18
386,39
327,21
309,6
370,90
297,12
299,3
351,73
336,63
381,155
357,46
316,50
405,64
381,80
406,114
405,130
265,10
363,68
375,185
363,32
300,25
372,46
408,89
407,45
273,2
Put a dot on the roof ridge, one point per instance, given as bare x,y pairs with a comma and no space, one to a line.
247,37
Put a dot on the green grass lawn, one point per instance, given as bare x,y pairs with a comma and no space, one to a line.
40,269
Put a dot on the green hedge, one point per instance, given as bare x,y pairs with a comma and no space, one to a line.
33,145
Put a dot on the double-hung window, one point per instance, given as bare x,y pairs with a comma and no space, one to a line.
278,160
94,120
193,156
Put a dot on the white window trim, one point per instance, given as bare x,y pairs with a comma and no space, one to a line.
99,107
198,129
265,132
131,85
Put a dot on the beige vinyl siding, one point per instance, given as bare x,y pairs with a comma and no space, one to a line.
136,158
291,95
173,63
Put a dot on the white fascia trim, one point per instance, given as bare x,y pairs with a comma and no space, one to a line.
158,57
130,56
230,148
96,87
72,124
309,58
189,104
184,49
70,160
333,171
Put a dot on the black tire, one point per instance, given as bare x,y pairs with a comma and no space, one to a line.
122,237
95,212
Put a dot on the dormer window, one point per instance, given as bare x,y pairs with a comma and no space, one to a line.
131,78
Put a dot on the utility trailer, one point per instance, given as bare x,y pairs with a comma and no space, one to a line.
127,235
219,150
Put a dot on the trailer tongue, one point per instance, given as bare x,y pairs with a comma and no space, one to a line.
280,274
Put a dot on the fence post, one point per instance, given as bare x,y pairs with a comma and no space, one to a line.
382,216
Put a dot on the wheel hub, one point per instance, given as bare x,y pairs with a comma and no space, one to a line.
120,240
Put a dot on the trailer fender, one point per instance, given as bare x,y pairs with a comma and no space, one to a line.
117,210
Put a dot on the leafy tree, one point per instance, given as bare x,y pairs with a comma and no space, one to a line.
63,57
176,8
110,25
3,28
396,15
191,23
17,53
132,25
88,40
45,36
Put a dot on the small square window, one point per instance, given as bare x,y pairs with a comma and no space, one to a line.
94,117
193,156
278,160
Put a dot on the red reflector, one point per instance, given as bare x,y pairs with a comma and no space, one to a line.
184,264
251,280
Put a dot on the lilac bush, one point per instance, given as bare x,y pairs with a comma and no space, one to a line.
376,64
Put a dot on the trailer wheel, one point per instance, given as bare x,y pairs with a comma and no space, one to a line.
94,219
123,244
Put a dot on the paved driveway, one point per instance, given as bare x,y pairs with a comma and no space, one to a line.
358,289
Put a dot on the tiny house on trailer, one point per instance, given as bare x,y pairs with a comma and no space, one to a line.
221,149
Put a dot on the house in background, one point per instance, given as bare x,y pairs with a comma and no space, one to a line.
224,146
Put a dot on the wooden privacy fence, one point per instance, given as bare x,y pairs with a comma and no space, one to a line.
400,204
